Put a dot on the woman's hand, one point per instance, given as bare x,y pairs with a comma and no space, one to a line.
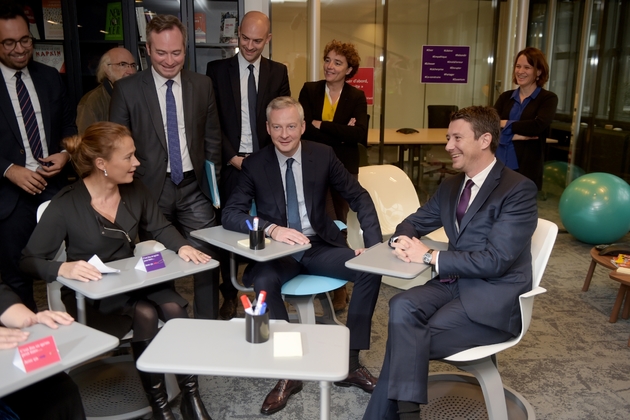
11,337
79,270
352,122
519,137
188,253
317,124
52,318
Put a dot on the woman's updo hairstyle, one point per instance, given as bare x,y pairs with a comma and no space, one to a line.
99,141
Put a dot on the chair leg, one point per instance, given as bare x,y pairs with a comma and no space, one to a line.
489,379
304,307
328,316
625,314
589,276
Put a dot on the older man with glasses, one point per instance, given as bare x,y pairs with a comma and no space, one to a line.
35,117
94,106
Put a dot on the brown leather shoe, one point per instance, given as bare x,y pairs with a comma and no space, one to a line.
277,399
361,378
340,299
228,309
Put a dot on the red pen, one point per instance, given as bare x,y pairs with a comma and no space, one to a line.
261,299
247,304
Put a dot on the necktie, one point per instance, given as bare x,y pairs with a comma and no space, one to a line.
172,134
28,114
252,96
464,199
293,210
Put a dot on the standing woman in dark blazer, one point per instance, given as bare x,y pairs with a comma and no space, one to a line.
335,114
526,114
100,215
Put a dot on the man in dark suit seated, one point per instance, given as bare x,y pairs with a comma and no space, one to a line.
289,181
244,85
489,213
34,117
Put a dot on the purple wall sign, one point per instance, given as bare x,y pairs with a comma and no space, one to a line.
445,64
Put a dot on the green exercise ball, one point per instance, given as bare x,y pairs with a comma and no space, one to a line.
595,208
555,174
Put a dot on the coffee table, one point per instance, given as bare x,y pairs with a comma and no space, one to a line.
76,344
624,287
131,279
212,347
603,260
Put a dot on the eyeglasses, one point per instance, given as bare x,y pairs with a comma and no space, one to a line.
124,65
10,44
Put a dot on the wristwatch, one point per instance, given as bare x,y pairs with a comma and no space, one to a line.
426,258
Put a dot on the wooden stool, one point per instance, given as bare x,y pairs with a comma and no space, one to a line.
597,259
624,287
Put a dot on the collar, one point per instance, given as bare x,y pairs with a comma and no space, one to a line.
480,178
533,95
8,73
297,155
161,80
243,64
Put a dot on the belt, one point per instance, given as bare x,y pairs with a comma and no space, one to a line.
244,155
187,175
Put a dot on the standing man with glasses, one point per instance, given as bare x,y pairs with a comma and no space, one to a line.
173,119
35,117
94,106
244,85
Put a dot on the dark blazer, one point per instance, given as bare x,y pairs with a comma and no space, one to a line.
135,104
58,119
273,81
337,133
490,256
262,181
535,121
7,298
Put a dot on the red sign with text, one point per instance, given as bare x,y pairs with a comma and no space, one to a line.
364,80
37,354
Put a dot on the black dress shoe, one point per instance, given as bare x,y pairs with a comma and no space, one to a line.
228,309
277,399
361,378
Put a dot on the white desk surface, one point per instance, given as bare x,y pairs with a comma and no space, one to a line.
423,136
212,347
76,344
228,240
379,259
131,279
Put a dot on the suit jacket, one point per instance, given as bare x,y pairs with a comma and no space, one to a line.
135,104
261,180
337,133
490,255
58,118
273,81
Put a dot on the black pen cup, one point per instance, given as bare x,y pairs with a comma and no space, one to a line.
257,328
257,239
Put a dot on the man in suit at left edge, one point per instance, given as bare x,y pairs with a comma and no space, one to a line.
173,119
35,118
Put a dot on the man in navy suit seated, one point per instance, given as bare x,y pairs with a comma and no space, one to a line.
489,213
289,180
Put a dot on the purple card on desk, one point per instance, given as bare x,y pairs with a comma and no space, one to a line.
151,262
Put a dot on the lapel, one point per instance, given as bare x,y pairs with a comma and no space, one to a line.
153,105
320,96
309,166
235,82
188,99
274,180
340,114
44,101
7,110
263,82
491,182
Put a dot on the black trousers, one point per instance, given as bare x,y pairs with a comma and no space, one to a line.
188,209
54,398
321,259
425,323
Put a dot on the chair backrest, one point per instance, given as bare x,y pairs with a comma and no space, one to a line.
542,243
53,289
394,197
440,115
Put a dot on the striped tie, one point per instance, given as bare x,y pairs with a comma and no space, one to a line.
28,114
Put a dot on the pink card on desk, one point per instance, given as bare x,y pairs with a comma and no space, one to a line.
37,354
151,262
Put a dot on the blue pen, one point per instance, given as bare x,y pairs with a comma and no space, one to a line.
263,308
249,224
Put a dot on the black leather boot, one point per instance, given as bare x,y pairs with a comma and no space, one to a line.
191,407
154,386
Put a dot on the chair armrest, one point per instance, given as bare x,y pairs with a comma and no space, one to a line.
537,291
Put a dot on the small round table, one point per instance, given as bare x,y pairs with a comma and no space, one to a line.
597,259
624,287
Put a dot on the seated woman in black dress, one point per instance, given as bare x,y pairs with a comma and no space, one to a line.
101,214
58,397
